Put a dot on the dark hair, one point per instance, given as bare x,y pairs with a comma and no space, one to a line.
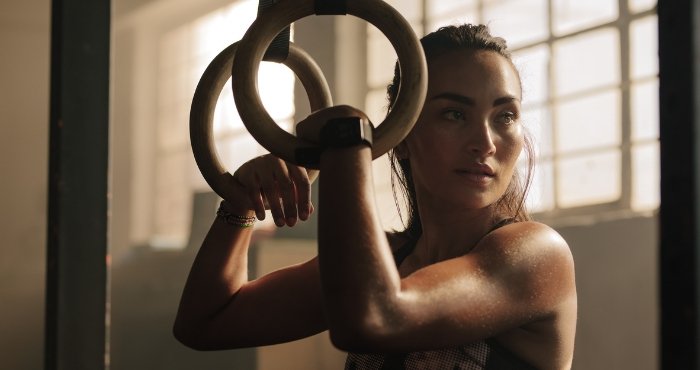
444,40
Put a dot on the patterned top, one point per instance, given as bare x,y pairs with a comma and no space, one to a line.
483,355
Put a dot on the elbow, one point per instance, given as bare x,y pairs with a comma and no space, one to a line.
371,327
190,336
362,335
186,336
350,341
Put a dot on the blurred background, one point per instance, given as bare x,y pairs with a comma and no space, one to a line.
590,75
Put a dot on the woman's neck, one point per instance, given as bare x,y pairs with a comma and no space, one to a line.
450,234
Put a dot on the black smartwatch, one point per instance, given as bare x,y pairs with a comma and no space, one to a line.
336,133
346,132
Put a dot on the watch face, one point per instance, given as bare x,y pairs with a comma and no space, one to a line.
346,131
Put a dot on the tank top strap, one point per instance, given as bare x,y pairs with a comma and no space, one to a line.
403,251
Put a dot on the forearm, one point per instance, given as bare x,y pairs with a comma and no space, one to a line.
218,272
360,280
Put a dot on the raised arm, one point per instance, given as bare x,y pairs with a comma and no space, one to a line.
519,274
220,308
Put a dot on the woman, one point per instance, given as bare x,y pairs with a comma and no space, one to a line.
471,283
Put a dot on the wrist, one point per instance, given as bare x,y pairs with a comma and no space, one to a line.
344,159
343,132
236,217
334,134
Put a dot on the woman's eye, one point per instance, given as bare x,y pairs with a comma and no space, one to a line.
508,118
453,115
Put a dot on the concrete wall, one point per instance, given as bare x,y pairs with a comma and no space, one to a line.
617,284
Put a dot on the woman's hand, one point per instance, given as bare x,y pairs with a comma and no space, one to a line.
267,182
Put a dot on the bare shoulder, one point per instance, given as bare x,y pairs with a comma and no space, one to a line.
535,263
533,260
528,240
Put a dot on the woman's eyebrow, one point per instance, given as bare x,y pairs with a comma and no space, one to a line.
454,97
505,100
459,98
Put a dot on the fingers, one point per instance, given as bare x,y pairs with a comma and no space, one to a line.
302,187
249,182
284,188
282,200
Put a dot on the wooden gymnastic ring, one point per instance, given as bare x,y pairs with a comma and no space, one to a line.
206,96
395,126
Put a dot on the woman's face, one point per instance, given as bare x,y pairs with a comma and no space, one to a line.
464,147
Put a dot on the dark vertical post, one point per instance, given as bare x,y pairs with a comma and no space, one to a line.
680,167
76,286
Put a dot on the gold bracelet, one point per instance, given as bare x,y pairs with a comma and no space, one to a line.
235,220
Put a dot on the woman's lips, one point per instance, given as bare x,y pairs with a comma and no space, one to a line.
476,176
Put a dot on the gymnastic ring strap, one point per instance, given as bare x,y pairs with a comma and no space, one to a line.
331,7
398,122
278,51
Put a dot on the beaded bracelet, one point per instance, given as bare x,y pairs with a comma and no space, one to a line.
235,220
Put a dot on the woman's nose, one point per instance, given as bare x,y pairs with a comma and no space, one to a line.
482,140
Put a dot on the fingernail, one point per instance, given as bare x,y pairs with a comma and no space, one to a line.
291,221
279,222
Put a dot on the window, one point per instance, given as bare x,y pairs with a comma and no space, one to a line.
590,74
184,53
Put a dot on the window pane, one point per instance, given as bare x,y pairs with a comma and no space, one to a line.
641,5
541,195
644,56
376,106
587,61
465,16
538,123
450,8
645,176
410,9
532,64
645,110
207,36
236,150
574,15
589,122
381,59
226,118
505,18
276,85
589,179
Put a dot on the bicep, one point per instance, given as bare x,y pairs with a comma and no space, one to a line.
281,306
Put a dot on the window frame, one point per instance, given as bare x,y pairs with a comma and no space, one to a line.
623,206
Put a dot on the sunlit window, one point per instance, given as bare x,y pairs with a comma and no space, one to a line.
590,77
184,53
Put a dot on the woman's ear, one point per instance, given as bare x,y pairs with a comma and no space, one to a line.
401,150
